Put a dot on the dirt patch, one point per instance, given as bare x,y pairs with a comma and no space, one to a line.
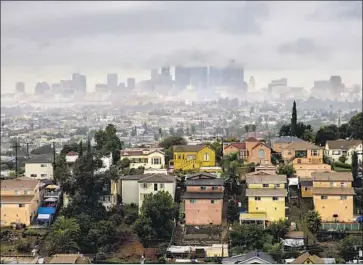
131,249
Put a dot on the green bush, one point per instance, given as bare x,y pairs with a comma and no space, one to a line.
23,247
342,165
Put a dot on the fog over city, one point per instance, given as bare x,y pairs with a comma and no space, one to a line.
300,41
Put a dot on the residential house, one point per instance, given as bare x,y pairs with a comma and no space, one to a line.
142,157
335,149
203,199
39,167
306,187
266,198
134,188
20,199
193,157
279,143
305,158
333,196
307,258
253,257
251,150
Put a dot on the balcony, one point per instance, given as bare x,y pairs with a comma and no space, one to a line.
52,194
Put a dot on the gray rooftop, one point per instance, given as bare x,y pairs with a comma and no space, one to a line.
46,159
203,195
246,258
204,182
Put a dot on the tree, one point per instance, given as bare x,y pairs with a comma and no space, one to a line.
247,128
63,236
253,127
287,170
171,131
232,212
80,148
217,147
278,229
193,128
285,130
156,217
61,171
294,120
249,236
355,166
326,133
313,221
348,248
342,158
356,126
168,143
161,133
108,142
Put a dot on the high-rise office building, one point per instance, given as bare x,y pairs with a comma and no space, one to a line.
20,87
41,88
112,81
336,84
215,77
131,83
199,77
79,82
182,77
165,76
233,75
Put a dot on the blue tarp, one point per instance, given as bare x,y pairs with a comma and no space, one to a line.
360,219
46,210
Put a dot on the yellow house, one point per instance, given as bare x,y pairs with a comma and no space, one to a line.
20,201
306,186
333,196
193,157
306,258
266,197
305,158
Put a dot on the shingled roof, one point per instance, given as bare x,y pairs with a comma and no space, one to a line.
46,159
332,176
301,146
188,148
343,144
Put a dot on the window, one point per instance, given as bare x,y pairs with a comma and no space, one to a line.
203,188
190,157
17,192
299,161
33,175
257,198
343,197
162,185
214,188
306,188
289,153
275,198
43,165
155,187
179,156
192,201
212,201
155,161
277,185
261,153
43,175
314,152
342,184
206,157
324,197
144,185
26,192
265,185
21,205
336,152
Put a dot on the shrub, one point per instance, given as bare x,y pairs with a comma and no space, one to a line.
23,246
342,165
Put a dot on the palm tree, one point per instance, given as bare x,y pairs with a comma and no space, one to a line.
62,237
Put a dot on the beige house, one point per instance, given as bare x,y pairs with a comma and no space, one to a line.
305,158
134,188
338,148
39,167
20,201
149,158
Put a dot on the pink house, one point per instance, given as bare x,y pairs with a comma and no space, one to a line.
203,199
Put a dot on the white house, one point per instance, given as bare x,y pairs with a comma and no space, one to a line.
39,167
142,157
134,188
335,149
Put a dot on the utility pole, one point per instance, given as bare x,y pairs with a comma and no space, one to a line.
16,146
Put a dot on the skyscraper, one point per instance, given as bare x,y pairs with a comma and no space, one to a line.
251,84
112,81
199,77
20,87
131,83
182,77
79,82
41,88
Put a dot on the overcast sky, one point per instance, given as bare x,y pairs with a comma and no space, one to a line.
303,41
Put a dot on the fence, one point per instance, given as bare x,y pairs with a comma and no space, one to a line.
340,226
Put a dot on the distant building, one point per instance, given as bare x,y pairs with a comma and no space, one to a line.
154,74
39,167
182,77
251,84
79,82
20,87
101,88
112,81
131,83
198,77
277,83
41,88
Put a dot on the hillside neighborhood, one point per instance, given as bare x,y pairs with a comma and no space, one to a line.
224,200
